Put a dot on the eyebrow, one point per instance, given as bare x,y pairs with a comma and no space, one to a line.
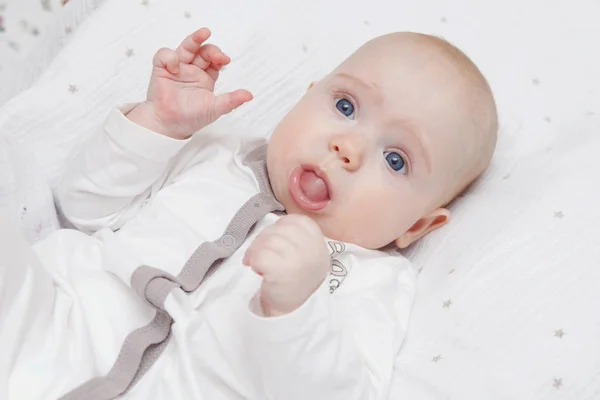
417,136
371,87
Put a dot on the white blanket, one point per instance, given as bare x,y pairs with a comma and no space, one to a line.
32,32
25,194
507,303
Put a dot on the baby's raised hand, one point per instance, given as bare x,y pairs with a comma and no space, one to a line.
293,259
181,97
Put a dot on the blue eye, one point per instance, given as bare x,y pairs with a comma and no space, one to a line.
346,107
395,161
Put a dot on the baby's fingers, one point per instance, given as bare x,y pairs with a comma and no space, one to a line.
262,260
209,53
227,102
168,59
189,47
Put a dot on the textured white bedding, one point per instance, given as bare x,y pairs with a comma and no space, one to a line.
508,299
31,34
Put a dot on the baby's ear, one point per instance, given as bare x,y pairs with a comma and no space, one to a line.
422,227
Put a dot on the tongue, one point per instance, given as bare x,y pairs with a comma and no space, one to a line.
313,187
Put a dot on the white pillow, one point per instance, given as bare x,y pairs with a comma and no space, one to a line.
517,274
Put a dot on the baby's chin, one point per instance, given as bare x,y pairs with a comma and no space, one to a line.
352,237
332,231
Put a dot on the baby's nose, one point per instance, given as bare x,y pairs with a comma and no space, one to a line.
348,149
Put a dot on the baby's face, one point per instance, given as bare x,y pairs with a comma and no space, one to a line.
372,149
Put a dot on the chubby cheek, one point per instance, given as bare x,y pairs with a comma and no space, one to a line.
278,178
375,217
288,148
289,137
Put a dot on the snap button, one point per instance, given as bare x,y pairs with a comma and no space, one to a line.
228,241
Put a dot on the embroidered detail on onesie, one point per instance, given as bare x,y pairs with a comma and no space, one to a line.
338,270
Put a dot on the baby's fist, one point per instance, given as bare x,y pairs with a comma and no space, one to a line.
293,259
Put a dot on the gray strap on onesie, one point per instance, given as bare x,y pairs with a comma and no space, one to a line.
142,347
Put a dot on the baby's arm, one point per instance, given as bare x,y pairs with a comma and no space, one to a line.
126,161
308,344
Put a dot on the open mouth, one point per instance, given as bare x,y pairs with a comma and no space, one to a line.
309,188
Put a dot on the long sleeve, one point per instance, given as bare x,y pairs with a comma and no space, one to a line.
335,346
115,173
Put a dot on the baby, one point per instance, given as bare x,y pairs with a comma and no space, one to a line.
302,306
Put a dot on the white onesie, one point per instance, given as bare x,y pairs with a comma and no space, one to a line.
140,198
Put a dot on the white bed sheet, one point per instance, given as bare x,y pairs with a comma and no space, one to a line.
508,300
